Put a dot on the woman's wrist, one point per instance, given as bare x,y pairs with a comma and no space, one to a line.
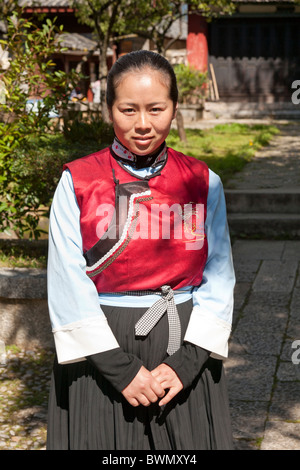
116,366
187,362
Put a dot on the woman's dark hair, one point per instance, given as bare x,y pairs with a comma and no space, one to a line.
137,61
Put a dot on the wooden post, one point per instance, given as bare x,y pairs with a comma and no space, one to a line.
214,82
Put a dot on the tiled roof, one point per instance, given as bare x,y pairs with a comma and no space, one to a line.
80,43
77,42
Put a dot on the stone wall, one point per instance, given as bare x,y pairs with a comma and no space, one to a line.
24,318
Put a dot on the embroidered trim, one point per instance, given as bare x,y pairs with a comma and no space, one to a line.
125,154
129,228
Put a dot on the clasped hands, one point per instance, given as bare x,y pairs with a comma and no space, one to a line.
149,386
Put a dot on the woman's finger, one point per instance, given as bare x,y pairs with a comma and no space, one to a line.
169,395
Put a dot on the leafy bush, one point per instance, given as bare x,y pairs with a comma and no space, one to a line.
83,131
38,165
30,72
191,84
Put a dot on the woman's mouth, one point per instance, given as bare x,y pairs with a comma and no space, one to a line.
142,140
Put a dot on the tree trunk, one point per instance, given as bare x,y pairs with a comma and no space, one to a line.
103,71
102,78
180,126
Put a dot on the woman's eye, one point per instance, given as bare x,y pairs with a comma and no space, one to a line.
155,110
128,111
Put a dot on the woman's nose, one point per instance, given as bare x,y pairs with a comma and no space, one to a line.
142,122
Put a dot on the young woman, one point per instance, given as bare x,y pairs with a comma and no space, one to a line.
140,283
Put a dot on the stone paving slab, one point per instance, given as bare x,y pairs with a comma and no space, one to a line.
275,166
291,250
263,381
288,371
295,303
243,250
276,276
250,377
248,419
245,268
266,308
281,436
255,340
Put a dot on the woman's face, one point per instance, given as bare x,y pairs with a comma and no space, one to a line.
142,112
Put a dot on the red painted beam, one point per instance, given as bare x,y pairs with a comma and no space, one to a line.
48,10
197,44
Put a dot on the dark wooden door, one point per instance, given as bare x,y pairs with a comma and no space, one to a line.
255,57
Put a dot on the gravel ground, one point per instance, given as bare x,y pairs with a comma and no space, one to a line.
24,389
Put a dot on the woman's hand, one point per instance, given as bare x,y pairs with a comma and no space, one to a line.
144,389
168,379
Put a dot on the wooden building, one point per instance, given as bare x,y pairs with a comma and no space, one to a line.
255,53
82,51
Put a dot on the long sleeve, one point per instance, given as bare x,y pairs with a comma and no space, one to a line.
79,325
117,366
187,362
210,323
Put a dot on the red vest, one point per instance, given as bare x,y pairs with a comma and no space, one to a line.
140,234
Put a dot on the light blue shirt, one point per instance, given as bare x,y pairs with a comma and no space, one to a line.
79,324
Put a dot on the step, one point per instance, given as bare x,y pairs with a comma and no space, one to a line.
253,110
278,225
263,201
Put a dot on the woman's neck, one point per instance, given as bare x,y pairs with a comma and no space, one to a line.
139,161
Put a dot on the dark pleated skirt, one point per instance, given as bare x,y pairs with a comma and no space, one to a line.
87,413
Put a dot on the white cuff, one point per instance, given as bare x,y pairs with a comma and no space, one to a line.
77,340
209,332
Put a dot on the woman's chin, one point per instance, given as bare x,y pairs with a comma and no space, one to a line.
142,148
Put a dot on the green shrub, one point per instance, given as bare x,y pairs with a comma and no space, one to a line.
37,167
95,130
30,72
191,84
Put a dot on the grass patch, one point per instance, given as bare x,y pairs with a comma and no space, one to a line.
226,148
12,261
23,254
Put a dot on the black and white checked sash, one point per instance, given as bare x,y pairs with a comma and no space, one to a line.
165,304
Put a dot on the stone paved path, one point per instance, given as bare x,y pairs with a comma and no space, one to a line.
264,383
263,368
276,166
